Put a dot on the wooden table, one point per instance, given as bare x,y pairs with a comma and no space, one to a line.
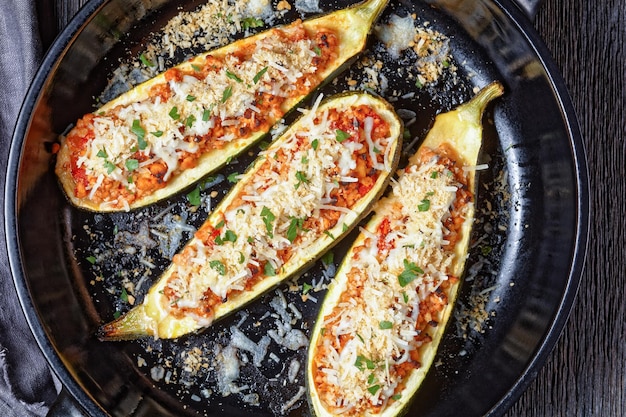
586,373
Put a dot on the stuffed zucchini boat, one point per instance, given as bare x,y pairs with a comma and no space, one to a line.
172,130
299,198
386,310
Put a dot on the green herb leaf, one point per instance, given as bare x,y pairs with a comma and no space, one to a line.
411,271
434,174
385,325
132,164
109,166
242,258
302,179
269,270
306,288
373,389
317,50
218,266
194,197
196,68
405,297
138,130
424,205
227,93
259,75
328,258
144,60
341,135
315,144
233,177
294,226
268,218
102,153
190,120
124,295
174,113
191,98
230,236
396,397
91,259
330,235
233,76
251,22
158,133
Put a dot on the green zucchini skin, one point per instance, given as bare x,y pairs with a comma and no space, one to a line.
460,130
351,25
154,316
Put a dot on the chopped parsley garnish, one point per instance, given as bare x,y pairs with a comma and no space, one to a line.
190,120
373,389
233,76
330,235
396,397
132,164
218,266
294,226
411,271
315,144
138,130
302,179
230,236
206,114
424,205
306,288
242,258
102,153
259,74
233,177
110,166
251,22
196,68
174,113
341,135
227,93
362,363
418,84
144,60
268,218
385,325
328,258
269,269
190,97
194,197
91,259
317,50
124,295
158,133
405,297
434,174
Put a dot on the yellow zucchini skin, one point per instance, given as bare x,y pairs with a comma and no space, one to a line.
351,27
249,223
396,268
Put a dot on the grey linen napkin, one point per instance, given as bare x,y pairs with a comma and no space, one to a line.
27,387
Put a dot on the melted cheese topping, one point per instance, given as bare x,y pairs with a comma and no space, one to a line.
394,292
304,186
228,98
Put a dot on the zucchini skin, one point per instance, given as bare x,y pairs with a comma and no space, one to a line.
351,26
461,131
155,317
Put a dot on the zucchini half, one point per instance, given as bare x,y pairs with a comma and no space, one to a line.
150,163
298,199
385,312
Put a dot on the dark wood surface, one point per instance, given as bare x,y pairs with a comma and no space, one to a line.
585,375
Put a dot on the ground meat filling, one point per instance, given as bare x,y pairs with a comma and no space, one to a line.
130,151
301,190
397,287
